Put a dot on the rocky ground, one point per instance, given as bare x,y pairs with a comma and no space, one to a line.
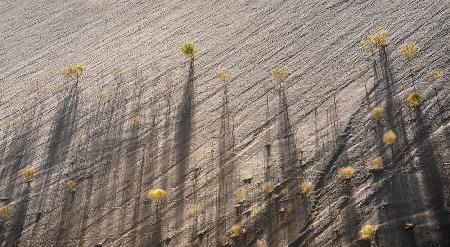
145,117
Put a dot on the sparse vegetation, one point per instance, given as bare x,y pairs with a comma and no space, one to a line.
236,231
136,123
409,50
7,125
72,185
103,96
28,173
379,38
74,72
281,73
261,243
195,209
389,137
5,210
346,172
255,210
367,232
189,49
224,74
268,186
307,188
368,46
414,99
156,195
434,75
378,113
240,195
376,164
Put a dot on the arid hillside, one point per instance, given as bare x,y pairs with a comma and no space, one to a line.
283,123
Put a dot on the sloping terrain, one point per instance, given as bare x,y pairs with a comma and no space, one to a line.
146,117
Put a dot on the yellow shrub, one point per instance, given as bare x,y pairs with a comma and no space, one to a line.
255,210
409,50
4,210
104,96
376,164
72,185
389,137
240,195
281,73
307,188
434,75
268,187
28,173
414,99
367,232
236,231
189,49
195,209
223,73
75,71
378,113
261,243
156,194
346,172
379,38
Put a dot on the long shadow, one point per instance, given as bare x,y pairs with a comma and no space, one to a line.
432,178
183,138
19,217
226,169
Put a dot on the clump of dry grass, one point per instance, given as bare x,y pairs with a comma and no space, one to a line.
389,137
28,173
268,186
281,73
307,188
7,125
223,73
368,46
434,75
74,71
240,195
378,113
379,38
367,232
195,209
346,172
409,50
5,210
376,164
261,243
236,231
136,123
103,96
156,194
414,99
72,185
255,210
189,49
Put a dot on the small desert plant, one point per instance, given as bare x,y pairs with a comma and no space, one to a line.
346,172
281,73
223,73
367,232
236,231
379,38
72,185
5,210
389,137
268,186
255,210
136,123
189,49
261,243
28,173
7,125
307,188
103,96
240,195
195,209
74,72
434,75
378,113
156,194
368,46
376,164
414,99
409,50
